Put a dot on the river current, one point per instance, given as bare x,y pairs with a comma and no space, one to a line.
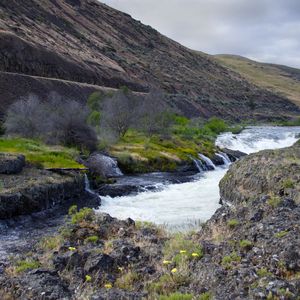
186,205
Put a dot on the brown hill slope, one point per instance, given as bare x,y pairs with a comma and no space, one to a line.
88,42
276,78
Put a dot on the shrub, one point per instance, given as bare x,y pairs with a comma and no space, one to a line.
246,244
54,120
288,184
216,125
263,272
274,201
127,280
229,259
233,223
85,214
91,239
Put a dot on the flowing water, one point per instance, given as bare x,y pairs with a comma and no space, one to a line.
184,206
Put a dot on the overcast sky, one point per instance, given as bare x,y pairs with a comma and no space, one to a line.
265,30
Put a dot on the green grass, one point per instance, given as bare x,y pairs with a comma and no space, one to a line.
40,154
177,296
24,265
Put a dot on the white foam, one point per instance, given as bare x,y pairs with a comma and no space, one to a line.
182,206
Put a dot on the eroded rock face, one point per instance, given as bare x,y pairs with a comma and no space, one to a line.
35,190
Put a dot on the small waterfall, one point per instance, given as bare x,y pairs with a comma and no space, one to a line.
225,158
199,165
207,161
88,188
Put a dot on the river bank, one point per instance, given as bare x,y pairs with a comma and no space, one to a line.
247,250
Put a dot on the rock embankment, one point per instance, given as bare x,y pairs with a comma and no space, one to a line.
25,189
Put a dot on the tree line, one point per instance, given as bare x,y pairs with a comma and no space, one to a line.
56,120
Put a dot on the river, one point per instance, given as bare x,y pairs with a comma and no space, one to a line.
186,205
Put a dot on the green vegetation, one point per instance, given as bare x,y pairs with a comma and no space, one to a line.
40,154
274,201
177,296
24,265
91,239
229,260
137,152
127,280
180,248
206,296
288,184
245,244
83,215
263,272
281,234
233,223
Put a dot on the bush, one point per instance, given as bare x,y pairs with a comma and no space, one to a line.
233,223
85,214
216,125
246,244
24,265
54,120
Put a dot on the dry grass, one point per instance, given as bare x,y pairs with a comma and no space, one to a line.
266,76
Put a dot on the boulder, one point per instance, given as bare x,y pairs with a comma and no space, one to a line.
103,165
99,263
11,164
233,154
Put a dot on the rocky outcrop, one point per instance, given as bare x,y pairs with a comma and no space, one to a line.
41,38
34,190
11,164
269,172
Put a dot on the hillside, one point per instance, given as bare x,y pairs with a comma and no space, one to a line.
279,79
85,41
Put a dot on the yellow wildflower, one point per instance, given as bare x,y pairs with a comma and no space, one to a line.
72,248
195,254
174,270
182,251
88,278
166,262
108,285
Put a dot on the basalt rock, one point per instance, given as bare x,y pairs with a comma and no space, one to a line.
11,164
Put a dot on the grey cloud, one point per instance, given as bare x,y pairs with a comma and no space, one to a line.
266,30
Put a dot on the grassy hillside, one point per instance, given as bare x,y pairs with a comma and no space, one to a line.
276,78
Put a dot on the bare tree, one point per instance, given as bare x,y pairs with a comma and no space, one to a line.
155,116
119,112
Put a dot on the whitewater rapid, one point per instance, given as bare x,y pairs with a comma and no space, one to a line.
184,206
